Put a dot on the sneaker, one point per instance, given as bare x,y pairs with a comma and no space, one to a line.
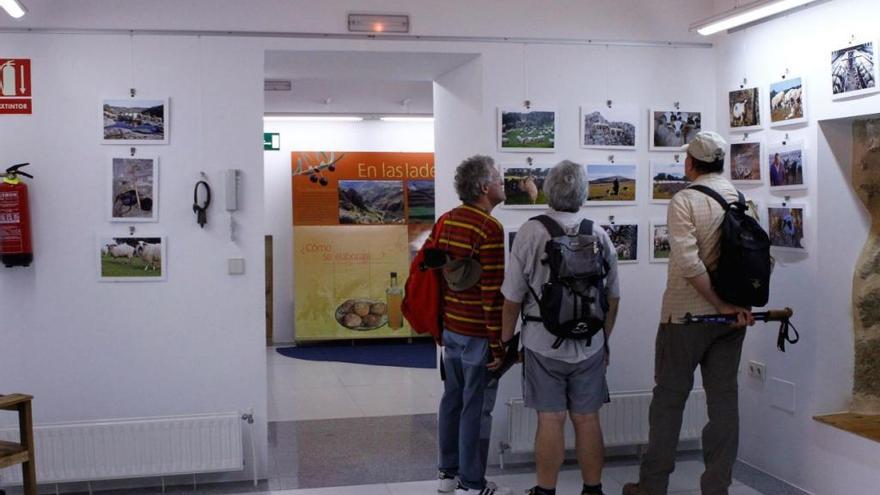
490,489
633,489
446,483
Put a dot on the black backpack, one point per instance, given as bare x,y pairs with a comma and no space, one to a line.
742,276
573,301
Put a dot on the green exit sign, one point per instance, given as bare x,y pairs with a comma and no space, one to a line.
271,141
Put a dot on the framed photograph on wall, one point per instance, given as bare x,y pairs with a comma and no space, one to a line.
605,126
745,162
785,226
659,248
854,70
788,102
744,109
787,166
524,186
625,237
667,178
131,259
509,236
135,121
526,131
672,129
134,189
611,184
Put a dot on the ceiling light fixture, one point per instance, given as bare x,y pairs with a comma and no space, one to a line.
312,118
13,8
407,119
744,14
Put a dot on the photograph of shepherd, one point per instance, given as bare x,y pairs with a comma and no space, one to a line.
673,129
625,238
420,201
659,242
533,130
525,186
613,128
125,258
611,183
786,227
365,202
787,101
667,179
135,120
787,167
854,70
745,109
745,161
133,190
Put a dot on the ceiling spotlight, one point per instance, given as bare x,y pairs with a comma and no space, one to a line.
744,14
13,8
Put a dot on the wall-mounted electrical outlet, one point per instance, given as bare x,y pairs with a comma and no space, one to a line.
757,370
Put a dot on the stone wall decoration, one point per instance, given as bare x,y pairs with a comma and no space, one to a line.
854,70
609,126
866,280
526,131
134,189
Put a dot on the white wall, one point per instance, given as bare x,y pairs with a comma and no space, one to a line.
191,344
368,135
819,286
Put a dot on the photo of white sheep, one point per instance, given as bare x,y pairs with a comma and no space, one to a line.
131,259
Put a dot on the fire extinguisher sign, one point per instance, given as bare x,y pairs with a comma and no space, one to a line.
15,86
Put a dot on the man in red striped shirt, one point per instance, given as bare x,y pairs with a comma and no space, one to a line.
472,334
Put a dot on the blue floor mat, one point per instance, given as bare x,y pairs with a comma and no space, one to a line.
415,355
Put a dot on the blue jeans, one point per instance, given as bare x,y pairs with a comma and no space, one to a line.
465,416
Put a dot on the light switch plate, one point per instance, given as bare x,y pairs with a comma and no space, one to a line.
236,266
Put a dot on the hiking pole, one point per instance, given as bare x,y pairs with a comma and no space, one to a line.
783,316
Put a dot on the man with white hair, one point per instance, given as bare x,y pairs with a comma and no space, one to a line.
694,221
561,377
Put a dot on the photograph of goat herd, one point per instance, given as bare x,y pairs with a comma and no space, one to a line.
131,259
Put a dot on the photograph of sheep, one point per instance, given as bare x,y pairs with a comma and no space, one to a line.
787,101
131,259
667,178
672,129
659,242
786,226
854,70
745,162
611,184
130,121
786,164
370,202
605,126
530,131
524,186
134,189
625,238
745,109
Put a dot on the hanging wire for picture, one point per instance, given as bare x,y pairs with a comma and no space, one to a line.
525,80
132,92
605,75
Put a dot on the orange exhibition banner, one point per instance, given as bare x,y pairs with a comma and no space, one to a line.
358,218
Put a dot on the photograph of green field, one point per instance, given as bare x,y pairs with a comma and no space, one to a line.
614,183
131,258
660,242
666,180
529,131
420,201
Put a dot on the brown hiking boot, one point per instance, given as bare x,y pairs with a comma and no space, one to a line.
633,489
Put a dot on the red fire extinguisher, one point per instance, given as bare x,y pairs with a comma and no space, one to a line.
15,219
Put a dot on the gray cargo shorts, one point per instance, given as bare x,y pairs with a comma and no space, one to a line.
551,385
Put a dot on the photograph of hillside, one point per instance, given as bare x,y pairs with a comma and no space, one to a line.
420,201
135,120
370,202
611,183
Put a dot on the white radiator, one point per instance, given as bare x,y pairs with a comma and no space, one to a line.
131,448
624,421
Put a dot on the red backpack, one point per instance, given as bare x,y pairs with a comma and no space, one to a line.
423,293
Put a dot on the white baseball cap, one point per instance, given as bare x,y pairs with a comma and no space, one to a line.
707,146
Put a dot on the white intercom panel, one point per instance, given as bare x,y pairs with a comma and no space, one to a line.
233,181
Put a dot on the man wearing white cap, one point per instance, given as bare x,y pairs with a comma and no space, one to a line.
694,220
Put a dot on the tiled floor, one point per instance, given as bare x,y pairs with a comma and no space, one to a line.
304,390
